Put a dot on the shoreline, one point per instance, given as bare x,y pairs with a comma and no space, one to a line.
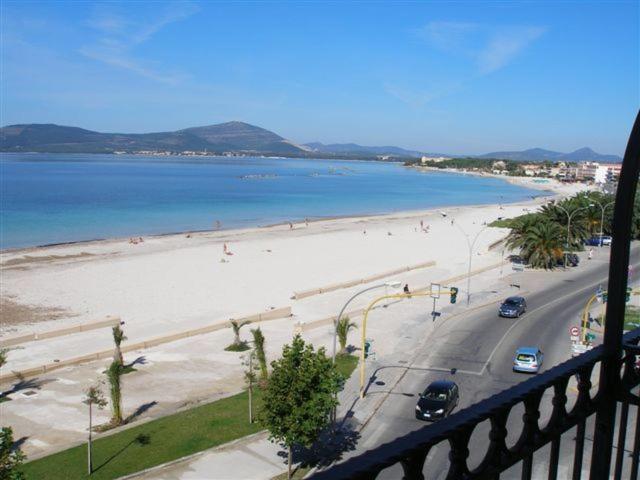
546,192
295,222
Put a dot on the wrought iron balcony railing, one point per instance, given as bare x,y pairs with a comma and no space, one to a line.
617,378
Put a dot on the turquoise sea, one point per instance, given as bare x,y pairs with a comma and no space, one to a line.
56,198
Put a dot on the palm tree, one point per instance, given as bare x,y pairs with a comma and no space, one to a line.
93,396
344,325
539,240
258,344
118,338
579,220
3,356
114,373
236,325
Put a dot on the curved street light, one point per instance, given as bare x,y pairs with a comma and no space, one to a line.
470,244
569,215
603,208
337,320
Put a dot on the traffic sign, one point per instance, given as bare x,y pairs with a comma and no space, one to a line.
574,331
435,290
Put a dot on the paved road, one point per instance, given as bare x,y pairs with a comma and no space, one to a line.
481,346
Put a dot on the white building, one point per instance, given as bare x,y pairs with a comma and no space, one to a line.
607,172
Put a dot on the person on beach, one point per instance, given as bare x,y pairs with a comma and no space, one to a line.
290,226
218,224
226,250
452,222
306,222
421,225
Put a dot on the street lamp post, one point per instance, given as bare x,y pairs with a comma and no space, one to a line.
603,208
569,215
337,320
470,244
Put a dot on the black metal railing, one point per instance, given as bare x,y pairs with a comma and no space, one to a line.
617,378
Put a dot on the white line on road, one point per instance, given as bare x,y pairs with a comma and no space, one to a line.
517,322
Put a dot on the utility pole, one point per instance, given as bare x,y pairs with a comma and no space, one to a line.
470,244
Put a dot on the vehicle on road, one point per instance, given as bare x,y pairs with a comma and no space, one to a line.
598,240
572,260
512,307
437,401
527,360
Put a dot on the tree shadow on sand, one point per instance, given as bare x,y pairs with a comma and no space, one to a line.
23,384
140,410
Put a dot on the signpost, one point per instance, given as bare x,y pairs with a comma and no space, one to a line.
574,331
435,294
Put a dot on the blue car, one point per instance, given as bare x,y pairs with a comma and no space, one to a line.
512,307
527,360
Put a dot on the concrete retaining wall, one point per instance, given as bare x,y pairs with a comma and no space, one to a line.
274,314
352,283
31,337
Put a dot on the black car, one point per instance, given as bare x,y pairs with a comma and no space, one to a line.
572,260
437,401
512,307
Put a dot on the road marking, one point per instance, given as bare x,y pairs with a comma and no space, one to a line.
517,322
447,370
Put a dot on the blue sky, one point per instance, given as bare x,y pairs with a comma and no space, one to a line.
453,77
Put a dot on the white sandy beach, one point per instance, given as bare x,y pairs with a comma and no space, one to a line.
170,282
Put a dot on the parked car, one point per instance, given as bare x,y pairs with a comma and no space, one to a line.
512,307
572,260
597,240
437,401
527,360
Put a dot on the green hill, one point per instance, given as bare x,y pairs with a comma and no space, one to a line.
237,137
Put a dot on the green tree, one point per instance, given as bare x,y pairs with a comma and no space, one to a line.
539,241
300,395
3,356
580,230
343,327
114,372
11,458
93,396
118,338
249,361
237,345
261,356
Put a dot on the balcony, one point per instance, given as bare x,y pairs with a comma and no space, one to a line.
606,377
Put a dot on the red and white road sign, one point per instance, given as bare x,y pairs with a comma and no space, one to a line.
574,331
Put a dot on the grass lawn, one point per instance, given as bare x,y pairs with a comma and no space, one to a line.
346,364
161,440
631,318
152,443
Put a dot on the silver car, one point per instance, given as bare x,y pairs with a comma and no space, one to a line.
527,360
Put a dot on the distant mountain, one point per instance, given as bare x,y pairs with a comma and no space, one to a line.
353,148
540,155
224,137
236,137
